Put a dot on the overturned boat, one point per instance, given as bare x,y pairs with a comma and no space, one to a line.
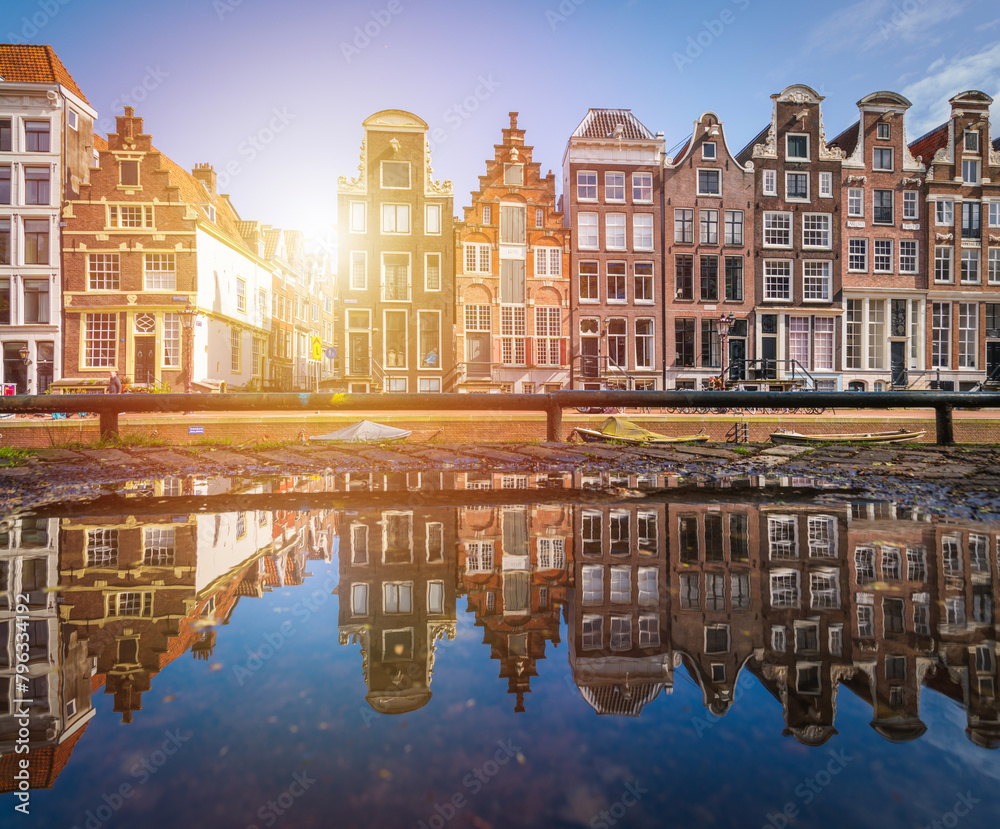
619,430
364,431
902,436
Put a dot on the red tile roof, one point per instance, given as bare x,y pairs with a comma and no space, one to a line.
929,143
602,123
23,63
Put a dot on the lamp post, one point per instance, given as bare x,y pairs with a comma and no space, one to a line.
187,321
725,322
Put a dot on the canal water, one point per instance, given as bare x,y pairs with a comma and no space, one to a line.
493,650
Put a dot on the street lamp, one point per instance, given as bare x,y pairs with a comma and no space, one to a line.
187,321
725,322
23,353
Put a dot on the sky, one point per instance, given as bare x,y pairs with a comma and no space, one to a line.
273,94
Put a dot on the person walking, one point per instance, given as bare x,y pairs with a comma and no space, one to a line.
114,383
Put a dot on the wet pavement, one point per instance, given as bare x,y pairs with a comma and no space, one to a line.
963,479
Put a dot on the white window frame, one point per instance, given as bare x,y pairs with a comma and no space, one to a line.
709,155
642,234
391,213
358,217
432,219
641,182
944,212
362,257
783,227
614,181
769,182
944,254
824,281
798,199
857,247
909,262
881,151
883,256
856,202
788,155
826,185
718,174
580,185
769,295
911,206
587,223
816,220
615,231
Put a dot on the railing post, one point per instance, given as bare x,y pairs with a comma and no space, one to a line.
109,424
553,422
945,428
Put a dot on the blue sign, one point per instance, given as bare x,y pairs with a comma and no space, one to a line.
196,430
331,353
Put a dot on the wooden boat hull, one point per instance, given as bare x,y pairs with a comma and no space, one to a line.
594,436
862,437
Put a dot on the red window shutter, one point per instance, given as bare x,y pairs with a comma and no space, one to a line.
562,351
529,355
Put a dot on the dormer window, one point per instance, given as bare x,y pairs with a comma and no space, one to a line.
882,131
708,150
209,211
72,118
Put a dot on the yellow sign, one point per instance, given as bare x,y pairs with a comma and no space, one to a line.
317,348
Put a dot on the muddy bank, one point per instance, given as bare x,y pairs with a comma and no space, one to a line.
963,481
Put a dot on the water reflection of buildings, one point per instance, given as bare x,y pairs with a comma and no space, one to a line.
619,645
397,588
113,599
514,566
809,598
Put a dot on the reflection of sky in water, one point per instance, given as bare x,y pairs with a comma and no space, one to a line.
304,711
301,715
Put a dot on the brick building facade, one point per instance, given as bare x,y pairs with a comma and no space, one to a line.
512,277
612,176
708,216
396,247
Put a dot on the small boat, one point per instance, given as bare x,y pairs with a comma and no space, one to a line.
902,436
364,431
619,430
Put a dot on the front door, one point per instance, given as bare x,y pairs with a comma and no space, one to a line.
993,362
769,357
477,353
590,365
360,353
897,363
737,360
145,360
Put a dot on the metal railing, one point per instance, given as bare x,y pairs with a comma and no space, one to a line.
110,406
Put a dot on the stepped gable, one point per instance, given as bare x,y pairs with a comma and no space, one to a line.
24,63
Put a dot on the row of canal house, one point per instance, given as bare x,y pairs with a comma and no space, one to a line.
808,599
863,261
858,262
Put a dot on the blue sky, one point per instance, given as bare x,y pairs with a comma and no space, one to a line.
277,91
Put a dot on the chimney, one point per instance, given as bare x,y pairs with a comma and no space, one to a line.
128,126
206,175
